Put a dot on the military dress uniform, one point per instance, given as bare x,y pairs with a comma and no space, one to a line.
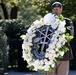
62,68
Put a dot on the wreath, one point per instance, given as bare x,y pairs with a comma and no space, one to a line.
56,48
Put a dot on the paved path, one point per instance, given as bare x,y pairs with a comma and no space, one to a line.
72,72
32,73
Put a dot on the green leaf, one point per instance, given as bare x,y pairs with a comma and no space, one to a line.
0,1
41,71
51,69
64,48
21,36
30,67
26,0
68,37
61,18
71,37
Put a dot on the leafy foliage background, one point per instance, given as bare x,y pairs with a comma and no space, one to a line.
3,51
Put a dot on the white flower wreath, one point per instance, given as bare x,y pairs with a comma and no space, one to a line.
56,48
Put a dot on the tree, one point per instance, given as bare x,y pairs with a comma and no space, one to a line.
44,6
69,8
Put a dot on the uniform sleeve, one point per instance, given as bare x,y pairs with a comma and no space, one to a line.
71,28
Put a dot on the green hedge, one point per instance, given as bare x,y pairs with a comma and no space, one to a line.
3,51
7,27
13,25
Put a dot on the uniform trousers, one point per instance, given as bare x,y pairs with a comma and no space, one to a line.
62,68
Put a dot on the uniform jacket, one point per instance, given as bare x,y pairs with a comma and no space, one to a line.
70,29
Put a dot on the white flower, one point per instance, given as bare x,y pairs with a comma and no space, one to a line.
56,49
62,23
61,27
33,28
26,47
41,21
48,50
37,65
46,62
46,67
49,19
50,62
55,24
41,64
52,55
23,47
62,38
47,55
52,45
33,35
27,57
28,43
30,39
23,36
58,45
29,30
61,53
37,24
63,43
53,65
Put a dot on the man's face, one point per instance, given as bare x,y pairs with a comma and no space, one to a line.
57,10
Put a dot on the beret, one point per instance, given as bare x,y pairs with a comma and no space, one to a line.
56,4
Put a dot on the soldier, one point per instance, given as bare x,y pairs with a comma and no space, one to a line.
62,68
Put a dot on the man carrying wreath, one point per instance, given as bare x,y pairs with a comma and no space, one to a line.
62,68
46,45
